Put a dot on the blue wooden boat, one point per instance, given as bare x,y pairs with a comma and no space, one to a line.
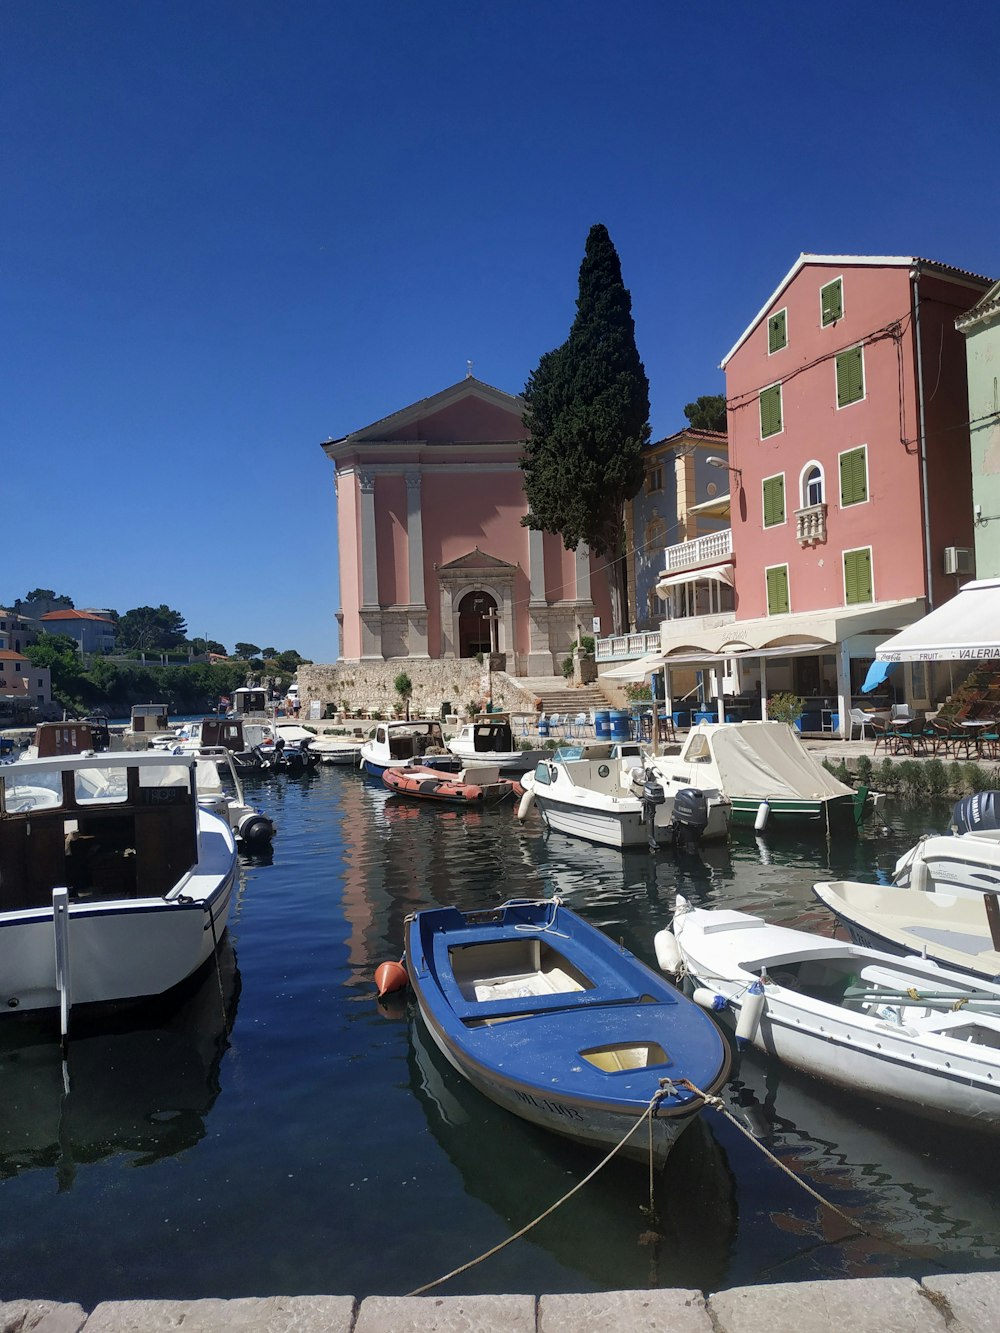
552,1020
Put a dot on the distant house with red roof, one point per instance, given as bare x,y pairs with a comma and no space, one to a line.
94,631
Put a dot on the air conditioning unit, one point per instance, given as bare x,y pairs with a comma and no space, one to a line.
958,560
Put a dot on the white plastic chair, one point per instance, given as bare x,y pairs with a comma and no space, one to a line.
902,713
859,718
580,725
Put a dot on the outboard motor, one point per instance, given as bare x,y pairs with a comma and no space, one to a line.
973,814
652,796
690,818
255,830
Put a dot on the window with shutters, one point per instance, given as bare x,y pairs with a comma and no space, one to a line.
654,479
854,476
770,411
831,302
774,500
858,576
850,377
777,331
777,590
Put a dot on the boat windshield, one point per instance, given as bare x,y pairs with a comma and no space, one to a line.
36,789
569,752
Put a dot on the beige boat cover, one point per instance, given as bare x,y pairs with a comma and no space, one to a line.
766,759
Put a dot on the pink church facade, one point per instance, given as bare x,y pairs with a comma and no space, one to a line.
433,559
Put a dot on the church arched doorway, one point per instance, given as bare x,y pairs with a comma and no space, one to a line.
477,624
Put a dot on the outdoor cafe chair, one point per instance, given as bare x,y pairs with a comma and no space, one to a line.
859,718
884,735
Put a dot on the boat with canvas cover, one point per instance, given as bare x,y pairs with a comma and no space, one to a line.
902,1032
555,1022
475,785
114,883
606,792
761,764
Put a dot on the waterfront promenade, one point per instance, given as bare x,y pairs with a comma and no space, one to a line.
956,1302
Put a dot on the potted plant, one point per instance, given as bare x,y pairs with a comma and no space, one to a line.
785,707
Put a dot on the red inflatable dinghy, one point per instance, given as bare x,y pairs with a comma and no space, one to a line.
429,784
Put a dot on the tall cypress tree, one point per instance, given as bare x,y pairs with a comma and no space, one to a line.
588,414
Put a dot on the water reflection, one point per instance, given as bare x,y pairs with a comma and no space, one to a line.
141,1082
604,1233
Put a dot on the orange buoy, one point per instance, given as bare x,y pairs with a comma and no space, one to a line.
390,977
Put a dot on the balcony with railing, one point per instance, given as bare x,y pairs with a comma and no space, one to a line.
707,550
810,525
627,647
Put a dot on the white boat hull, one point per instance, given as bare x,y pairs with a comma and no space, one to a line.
925,1064
622,826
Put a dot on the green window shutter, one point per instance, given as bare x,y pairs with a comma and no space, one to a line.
831,299
770,411
853,482
857,577
850,377
777,331
777,590
774,501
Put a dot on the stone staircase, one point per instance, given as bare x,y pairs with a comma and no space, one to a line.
562,700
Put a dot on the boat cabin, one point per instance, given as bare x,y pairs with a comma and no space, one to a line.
114,826
226,732
249,702
409,740
149,718
58,738
492,737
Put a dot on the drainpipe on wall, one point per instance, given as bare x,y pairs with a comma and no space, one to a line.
922,439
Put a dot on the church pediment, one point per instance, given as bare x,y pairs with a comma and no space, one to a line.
469,412
477,561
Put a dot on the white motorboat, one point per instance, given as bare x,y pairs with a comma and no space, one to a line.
903,1032
114,883
332,751
765,772
397,744
490,740
944,897
606,793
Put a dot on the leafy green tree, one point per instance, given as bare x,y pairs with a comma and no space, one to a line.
707,413
247,651
48,595
587,408
269,652
150,628
60,653
290,660
404,688
206,646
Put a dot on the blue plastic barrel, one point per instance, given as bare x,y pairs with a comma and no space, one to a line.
543,726
602,724
619,725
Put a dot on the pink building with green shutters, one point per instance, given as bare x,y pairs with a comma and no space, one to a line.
433,559
851,493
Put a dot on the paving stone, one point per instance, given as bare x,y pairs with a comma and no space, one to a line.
862,1305
446,1314
675,1309
40,1317
271,1314
973,1299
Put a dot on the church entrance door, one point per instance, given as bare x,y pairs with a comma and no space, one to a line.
477,621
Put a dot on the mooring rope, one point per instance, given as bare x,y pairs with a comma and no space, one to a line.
663,1091
717,1104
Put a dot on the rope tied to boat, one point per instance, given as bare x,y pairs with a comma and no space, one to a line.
717,1104
666,1089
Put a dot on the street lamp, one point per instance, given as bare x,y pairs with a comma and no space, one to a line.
715,461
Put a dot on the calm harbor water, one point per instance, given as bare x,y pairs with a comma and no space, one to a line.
289,1135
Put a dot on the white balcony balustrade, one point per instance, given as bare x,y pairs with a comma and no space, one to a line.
710,549
810,525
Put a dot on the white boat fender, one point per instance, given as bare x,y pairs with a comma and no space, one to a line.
668,952
255,829
763,815
920,876
751,1012
525,804
709,999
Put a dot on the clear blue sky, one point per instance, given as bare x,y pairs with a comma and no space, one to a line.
230,230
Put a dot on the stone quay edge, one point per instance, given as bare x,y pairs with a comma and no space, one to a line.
960,1303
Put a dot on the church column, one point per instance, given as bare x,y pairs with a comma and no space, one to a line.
417,610
371,614
539,654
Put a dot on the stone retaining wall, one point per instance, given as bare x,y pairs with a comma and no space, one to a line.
960,1303
368,686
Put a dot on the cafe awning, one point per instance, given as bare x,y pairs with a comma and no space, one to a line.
637,670
718,573
964,629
